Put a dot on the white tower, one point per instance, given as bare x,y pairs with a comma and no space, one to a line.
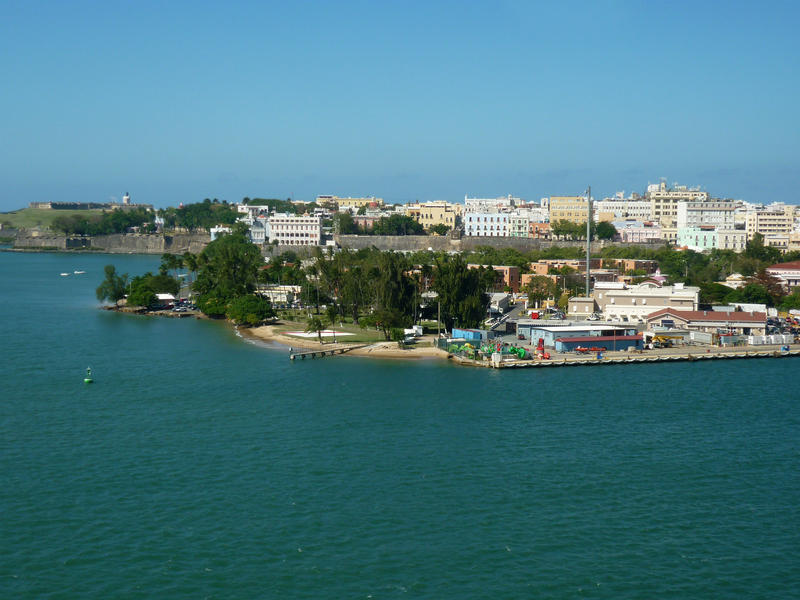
126,199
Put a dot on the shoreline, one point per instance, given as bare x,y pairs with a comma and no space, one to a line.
383,349
390,350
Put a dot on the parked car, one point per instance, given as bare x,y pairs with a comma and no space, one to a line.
593,317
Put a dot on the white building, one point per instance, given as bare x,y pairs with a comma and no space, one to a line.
490,205
634,232
259,230
611,209
634,303
518,225
480,224
664,201
716,213
707,237
218,231
295,230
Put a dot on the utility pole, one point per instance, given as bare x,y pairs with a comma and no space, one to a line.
588,236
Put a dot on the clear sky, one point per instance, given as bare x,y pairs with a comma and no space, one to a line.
178,101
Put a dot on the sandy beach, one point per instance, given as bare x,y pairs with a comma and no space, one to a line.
270,333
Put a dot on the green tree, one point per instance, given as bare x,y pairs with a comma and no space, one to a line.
397,225
142,296
315,325
249,310
228,267
440,229
792,301
605,230
461,290
540,288
113,286
398,336
756,249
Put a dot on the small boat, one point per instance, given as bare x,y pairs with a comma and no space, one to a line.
65,274
88,378
79,272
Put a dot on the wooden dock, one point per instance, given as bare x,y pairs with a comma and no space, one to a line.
322,353
628,360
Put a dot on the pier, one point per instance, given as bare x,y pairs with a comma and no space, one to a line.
322,353
626,360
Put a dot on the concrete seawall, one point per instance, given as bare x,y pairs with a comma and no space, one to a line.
120,243
416,243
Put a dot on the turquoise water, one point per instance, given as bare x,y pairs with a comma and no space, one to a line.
203,466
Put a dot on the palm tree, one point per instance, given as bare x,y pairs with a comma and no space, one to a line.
315,324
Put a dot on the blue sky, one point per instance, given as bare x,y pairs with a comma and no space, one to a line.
179,101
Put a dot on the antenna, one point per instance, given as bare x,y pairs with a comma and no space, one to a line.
588,235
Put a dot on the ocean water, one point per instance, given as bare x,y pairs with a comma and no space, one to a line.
200,465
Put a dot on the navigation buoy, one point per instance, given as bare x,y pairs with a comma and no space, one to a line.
88,378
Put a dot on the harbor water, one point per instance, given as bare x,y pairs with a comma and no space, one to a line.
201,465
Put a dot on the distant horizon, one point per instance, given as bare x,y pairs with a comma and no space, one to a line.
182,101
388,199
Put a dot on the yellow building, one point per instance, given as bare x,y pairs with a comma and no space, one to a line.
775,221
350,202
439,212
568,208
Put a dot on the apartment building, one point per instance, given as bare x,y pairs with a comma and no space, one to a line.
438,212
613,209
633,303
349,203
716,213
295,230
777,219
664,201
478,224
507,276
491,205
518,226
637,232
569,208
708,237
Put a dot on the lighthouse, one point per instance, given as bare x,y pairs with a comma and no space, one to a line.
126,199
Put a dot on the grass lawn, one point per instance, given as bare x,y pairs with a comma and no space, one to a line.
360,336
29,218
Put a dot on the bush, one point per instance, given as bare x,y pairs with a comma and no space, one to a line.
249,310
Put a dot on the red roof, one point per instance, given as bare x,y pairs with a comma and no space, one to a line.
790,266
600,338
710,315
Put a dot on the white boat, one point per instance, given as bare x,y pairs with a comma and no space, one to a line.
79,272
65,274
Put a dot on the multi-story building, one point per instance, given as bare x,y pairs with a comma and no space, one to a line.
490,205
707,237
259,229
295,230
569,208
539,231
507,276
349,203
477,224
438,212
620,208
664,201
637,232
545,265
710,321
776,219
518,225
788,273
617,301
717,213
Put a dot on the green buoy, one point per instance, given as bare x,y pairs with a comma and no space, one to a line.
88,378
